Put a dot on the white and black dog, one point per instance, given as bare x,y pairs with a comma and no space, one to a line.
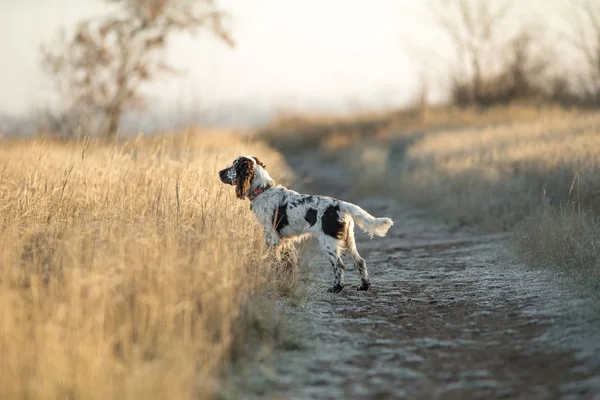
287,216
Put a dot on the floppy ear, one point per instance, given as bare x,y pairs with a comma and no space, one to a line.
260,162
244,172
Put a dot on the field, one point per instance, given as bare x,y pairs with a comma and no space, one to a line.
532,172
130,271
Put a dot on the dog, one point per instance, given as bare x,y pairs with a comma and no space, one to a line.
288,216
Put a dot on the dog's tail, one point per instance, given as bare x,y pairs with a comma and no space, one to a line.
369,224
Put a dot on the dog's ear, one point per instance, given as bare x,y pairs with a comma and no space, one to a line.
260,162
244,172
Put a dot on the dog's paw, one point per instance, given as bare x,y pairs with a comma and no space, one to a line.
365,286
335,289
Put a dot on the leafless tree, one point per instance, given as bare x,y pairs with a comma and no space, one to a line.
475,28
585,38
100,69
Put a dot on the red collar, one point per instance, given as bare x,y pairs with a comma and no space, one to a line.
254,194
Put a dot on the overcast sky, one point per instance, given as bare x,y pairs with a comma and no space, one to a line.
348,53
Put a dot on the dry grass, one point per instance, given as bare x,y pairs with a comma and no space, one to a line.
564,239
130,271
290,132
497,176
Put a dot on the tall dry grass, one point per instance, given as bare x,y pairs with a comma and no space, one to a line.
128,272
495,177
566,240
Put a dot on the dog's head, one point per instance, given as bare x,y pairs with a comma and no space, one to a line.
241,174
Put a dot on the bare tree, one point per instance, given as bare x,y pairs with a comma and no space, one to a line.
475,29
100,69
585,38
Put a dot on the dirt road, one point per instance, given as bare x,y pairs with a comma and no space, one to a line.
449,316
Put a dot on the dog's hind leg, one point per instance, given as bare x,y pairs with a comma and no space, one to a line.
359,262
331,249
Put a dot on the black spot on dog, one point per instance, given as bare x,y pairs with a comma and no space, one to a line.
280,218
331,223
311,216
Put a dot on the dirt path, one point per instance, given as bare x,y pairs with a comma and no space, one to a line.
449,316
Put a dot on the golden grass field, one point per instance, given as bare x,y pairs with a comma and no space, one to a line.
129,271
495,176
534,172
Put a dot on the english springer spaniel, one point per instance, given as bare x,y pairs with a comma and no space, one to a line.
287,216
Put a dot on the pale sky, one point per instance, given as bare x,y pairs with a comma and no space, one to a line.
345,53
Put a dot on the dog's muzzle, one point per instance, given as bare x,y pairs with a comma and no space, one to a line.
225,176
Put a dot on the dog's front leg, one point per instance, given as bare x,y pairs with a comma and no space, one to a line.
271,238
286,252
272,244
